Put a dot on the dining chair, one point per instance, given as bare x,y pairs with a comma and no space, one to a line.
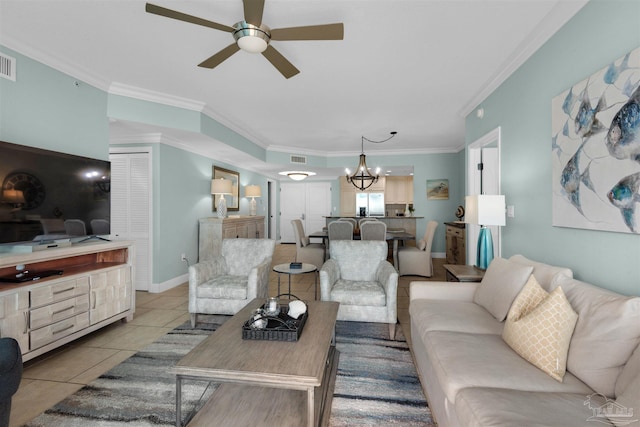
75,227
340,230
373,230
100,226
311,253
351,220
363,220
417,260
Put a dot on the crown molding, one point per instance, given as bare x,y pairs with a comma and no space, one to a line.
71,69
156,97
561,13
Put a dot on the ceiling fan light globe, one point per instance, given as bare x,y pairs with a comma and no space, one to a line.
252,44
250,38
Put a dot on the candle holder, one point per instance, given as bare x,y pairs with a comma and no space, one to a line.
272,307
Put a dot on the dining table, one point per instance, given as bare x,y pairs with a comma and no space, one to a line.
395,236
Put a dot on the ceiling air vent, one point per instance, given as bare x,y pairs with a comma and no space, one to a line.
7,67
299,160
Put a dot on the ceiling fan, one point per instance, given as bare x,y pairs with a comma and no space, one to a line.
251,35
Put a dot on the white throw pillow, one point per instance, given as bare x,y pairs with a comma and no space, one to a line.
539,328
422,244
607,333
500,285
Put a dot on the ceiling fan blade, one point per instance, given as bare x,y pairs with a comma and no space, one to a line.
173,14
285,67
253,11
311,32
217,59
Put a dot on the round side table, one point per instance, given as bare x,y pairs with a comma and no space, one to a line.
306,268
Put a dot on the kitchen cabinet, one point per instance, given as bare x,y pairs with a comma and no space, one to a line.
398,190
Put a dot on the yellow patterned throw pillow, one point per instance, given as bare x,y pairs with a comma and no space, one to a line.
539,328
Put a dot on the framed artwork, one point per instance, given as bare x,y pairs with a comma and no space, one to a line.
233,200
595,150
437,189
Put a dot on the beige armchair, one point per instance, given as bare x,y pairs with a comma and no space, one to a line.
311,253
417,260
226,283
360,278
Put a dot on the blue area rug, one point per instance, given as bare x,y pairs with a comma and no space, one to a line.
376,383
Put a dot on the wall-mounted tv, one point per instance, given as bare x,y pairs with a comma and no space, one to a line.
47,195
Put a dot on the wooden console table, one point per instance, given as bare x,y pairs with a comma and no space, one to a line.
213,230
94,290
463,273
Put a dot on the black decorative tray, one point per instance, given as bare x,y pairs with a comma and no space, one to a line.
278,328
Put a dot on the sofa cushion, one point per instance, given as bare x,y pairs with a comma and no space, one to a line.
607,332
501,283
224,287
545,274
455,316
630,371
539,328
628,401
462,360
355,292
507,408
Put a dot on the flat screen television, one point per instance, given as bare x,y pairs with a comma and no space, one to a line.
49,195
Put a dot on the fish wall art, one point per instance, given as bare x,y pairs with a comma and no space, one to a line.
595,150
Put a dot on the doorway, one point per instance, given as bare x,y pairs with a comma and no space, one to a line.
308,202
484,180
131,215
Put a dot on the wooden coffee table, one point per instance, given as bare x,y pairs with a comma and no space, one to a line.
265,383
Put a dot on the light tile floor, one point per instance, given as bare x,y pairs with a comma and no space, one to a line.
50,378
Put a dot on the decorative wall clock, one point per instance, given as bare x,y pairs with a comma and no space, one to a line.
31,187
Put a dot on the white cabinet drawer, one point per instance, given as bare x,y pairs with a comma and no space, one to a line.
55,312
51,333
59,291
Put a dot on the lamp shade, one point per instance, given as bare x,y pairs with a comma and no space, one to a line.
221,186
13,196
252,191
485,209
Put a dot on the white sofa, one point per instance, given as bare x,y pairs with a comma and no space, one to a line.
471,377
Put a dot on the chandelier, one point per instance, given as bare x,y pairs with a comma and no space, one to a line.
362,177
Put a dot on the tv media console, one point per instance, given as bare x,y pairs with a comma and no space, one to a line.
94,290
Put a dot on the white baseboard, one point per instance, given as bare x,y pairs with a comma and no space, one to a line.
169,284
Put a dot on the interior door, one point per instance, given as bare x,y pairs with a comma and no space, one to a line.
292,206
309,202
485,150
131,209
318,205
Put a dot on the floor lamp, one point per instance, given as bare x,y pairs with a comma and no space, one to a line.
252,191
221,186
484,210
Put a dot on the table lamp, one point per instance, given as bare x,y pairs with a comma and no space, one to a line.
252,191
221,186
484,210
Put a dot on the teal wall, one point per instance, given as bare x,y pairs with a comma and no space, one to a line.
44,108
601,32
